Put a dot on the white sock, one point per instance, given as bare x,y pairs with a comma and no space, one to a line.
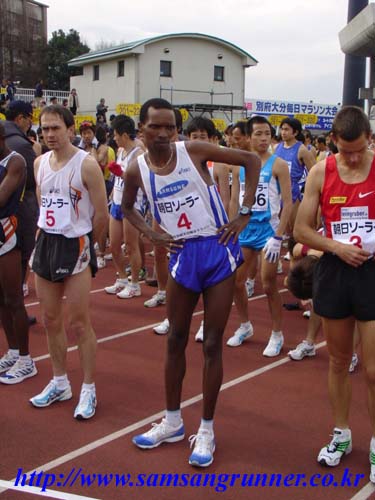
277,334
25,359
14,353
162,292
61,382
88,387
245,325
372,444
207,425
173,418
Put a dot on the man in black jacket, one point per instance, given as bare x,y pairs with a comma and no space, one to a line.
18,122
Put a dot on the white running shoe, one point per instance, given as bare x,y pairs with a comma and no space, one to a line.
204,448
51,394
25,289
20,371
250,287
163,328
130,291
274,346
340,445
117,287
303,349
159,433
306,314
372,460
245,331
108,256
199,334
287,256
354,362
86,406
101,262
159,299
279,267
7,361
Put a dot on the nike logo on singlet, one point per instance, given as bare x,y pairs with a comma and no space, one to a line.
363,195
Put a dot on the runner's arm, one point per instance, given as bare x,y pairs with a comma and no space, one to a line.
281,172
221,176
15,176
92,178
305,225
306,157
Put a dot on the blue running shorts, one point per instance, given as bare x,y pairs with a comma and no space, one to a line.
204,262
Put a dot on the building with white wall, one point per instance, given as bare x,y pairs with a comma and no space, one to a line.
199,72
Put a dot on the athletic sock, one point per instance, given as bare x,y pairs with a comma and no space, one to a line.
277,334
88,387
245,325
25,359
61,382
14,353
173,418
206,425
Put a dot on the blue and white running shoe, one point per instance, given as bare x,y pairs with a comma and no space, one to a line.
86,406
51,394
159,433
204,448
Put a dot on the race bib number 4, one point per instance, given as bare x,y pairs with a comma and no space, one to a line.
183,216
54,213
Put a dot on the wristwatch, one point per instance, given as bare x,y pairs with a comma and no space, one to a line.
245,210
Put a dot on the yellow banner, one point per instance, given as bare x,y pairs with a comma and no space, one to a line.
306,119
36,114
185,114
275,120
128,109
220,124
83,118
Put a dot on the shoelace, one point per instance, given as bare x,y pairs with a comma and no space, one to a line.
157,430
6,358
334,444
202,442
19,368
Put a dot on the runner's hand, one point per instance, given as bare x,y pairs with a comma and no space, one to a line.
233,229
272,249
352,255
165,240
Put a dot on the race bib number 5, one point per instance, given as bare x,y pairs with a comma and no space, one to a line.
54,213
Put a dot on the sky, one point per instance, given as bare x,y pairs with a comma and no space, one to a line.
295,42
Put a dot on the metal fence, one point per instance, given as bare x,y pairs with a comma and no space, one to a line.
28,95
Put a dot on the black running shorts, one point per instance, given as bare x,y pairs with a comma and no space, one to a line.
57,257
341,290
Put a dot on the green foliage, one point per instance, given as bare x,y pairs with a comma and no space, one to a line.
61,48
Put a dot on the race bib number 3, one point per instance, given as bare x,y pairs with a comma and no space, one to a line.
355,232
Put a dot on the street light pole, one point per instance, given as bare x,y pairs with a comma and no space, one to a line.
355,66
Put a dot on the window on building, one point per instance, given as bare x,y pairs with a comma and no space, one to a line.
219,73
165,68
96,72
120,68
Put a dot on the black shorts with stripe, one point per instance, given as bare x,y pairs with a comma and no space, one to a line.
57,257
